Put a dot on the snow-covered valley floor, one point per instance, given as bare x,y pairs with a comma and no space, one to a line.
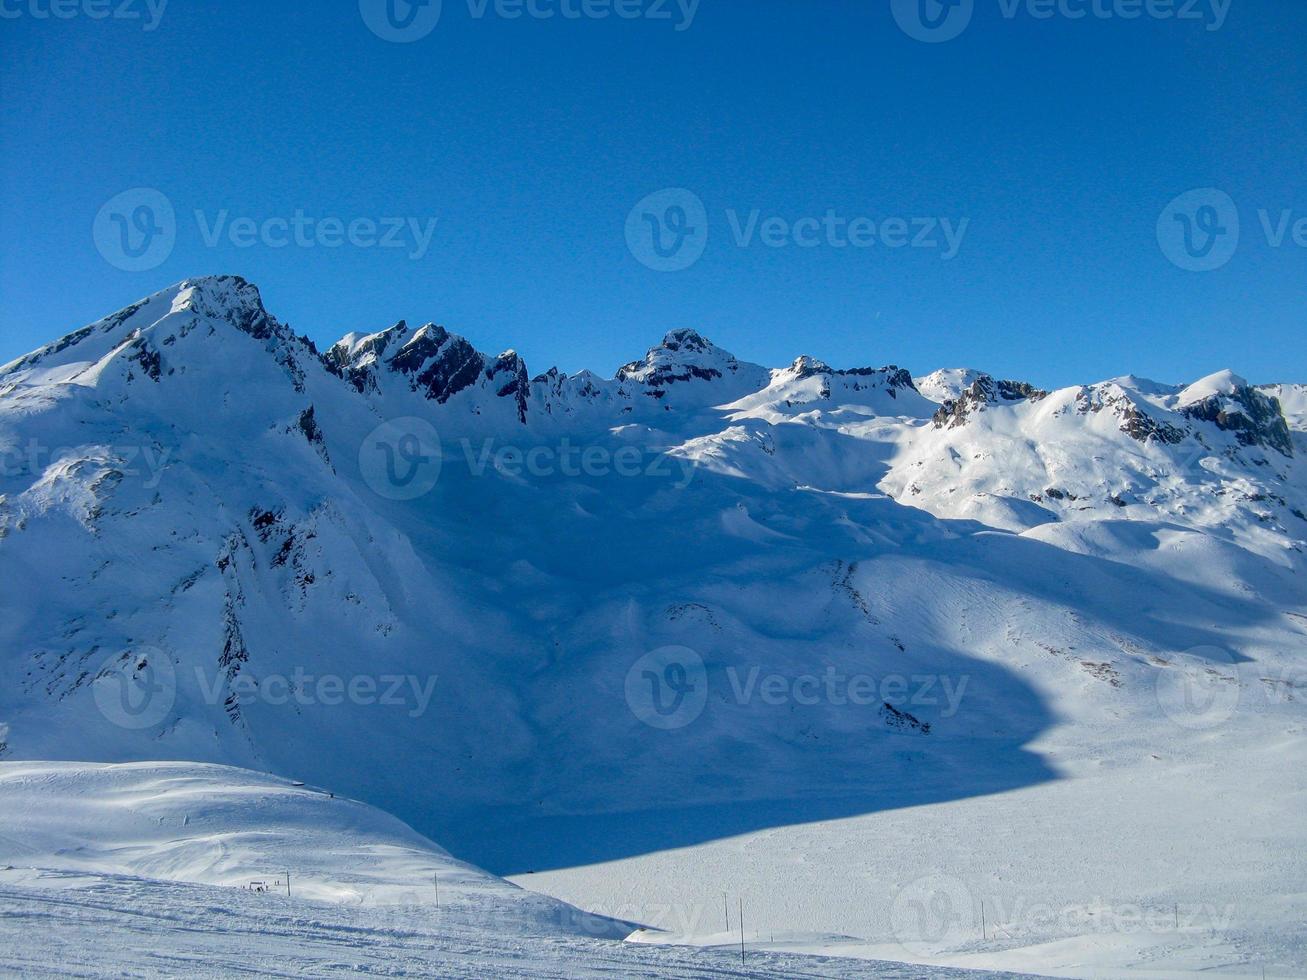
74,901
1138,862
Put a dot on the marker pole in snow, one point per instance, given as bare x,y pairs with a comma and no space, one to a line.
741,932
435,880
984,930
726,909
288,884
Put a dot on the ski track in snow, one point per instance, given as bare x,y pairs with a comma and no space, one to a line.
64,925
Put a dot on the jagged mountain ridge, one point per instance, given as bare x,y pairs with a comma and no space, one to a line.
439,366
821,518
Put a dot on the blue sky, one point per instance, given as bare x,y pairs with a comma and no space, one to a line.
1060,141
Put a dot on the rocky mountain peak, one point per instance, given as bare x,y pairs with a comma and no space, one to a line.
227,298
683,356
984,391
686,340
807,367
1232,405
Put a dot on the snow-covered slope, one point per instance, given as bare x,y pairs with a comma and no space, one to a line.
560,621
109,870
1293,403
216,825
947,384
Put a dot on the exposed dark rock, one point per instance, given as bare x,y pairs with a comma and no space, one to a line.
982,393
1135,422
1255,419
663,376
308,426
686,339
901,721
509,379
657,375
439,364
892,376
147,357
1138,425
264,521
346,363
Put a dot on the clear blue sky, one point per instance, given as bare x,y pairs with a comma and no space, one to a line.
1060,140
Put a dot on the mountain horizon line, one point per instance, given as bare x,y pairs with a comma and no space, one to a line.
678,338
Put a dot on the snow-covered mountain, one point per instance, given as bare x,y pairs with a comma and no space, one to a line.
434,581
